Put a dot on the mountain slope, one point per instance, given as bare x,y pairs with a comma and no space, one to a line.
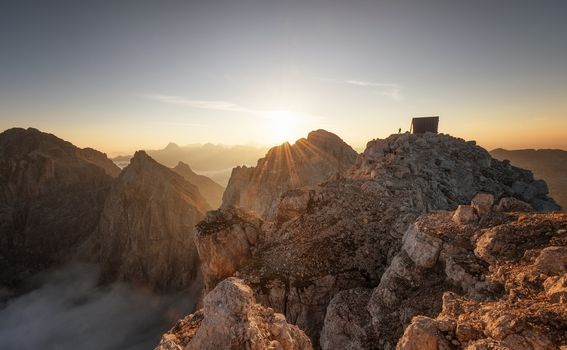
307,162
145,231
51,196
210,190
547,164
344,233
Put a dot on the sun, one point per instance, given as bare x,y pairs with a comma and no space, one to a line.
281,125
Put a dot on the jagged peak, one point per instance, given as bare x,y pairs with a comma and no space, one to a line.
141,155
141,161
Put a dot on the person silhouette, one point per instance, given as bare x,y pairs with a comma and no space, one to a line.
399,130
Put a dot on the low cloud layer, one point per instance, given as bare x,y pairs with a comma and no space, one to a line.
69,311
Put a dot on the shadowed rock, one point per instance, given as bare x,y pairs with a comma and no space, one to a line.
51,196
145,231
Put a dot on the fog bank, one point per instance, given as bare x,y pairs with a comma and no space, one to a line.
69,311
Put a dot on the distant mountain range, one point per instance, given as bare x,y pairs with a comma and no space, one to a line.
214,161
547,164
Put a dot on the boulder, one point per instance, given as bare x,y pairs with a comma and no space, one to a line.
482,203
294,203
464,215
422,334
508,204
552,261
347,322
231,319
556,289
423,249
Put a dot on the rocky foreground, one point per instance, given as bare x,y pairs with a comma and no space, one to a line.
353,260
500,283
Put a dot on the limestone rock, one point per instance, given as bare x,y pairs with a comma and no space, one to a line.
307,162
51,196
422,334
224,241
556,289
498,269
231,319
145,230
99,159
294,203
464,215
552,261
508,204
423,249
347,323
482,203
547,164
347,234
423,159
512,304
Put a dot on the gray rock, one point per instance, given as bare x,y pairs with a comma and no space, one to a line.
423,249
464,215
482,203
508,204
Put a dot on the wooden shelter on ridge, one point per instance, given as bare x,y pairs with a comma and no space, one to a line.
420,125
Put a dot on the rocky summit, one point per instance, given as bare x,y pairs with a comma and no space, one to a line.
307,162
145,230
51,196
330,256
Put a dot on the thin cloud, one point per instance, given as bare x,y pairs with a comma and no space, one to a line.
217,105
392,91
225,106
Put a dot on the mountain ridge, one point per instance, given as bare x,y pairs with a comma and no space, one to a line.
307,162
343,234
547,164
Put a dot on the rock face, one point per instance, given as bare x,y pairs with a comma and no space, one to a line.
51,196
350,243
225,241
145,230
547,164
231,319
503,287
446,171
210,190
99,159
307,162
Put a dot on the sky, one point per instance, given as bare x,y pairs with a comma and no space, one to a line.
130,74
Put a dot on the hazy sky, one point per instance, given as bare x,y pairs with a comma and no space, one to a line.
121,75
